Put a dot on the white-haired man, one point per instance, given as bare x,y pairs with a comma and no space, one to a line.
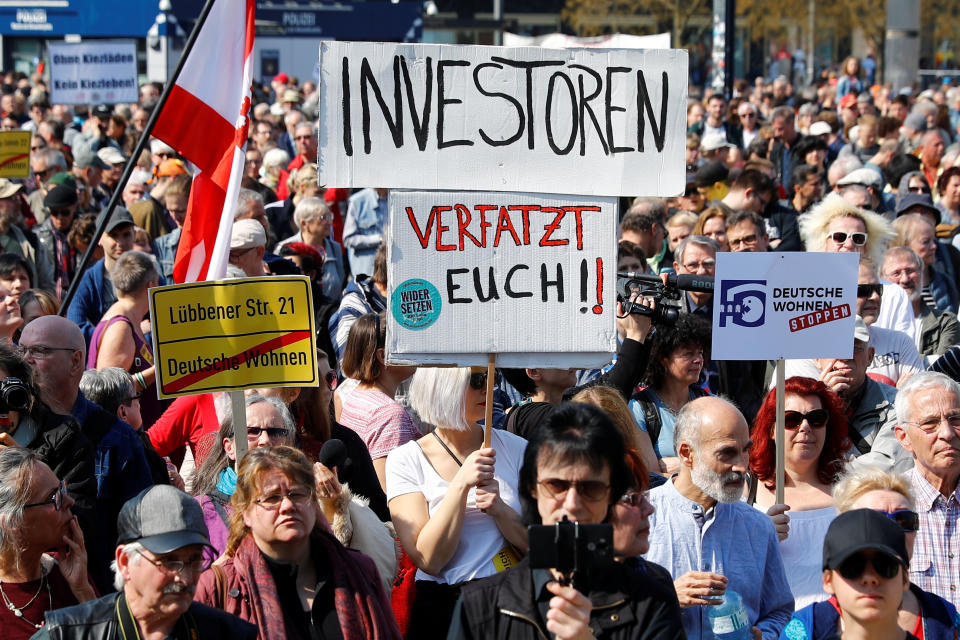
706,536
158,562
928,416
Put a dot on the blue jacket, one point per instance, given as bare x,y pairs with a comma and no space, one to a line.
122,472
818,621
87,306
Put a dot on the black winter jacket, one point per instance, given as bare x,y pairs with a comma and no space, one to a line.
97,620
633,600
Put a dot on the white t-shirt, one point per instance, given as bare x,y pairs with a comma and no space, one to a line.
896,310
409,471
894,357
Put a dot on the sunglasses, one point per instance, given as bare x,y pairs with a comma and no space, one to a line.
633,498
920,189
854,566
61,213
272,432
908,520
867,290
859,238
478,381
816,418
590,490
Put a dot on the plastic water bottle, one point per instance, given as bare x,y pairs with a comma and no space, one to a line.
729,620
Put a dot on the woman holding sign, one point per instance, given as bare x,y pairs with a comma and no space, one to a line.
453,502
814,446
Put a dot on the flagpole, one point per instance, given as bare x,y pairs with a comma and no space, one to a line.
132,162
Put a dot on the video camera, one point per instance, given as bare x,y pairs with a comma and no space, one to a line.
570,547
651,286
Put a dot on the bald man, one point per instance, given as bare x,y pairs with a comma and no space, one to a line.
55,348
699,512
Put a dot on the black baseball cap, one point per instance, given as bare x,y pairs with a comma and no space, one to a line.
711,173
861,529
162,519
118,218
101,111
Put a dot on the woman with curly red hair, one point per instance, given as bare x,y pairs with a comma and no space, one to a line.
814,445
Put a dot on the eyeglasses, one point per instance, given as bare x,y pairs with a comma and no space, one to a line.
867,290
478,381
919,189
633,498
56,499
706,265
272,432
816,418
273,501
236,254
61,213
859,238
854,566
590,490
40,351
929,425
908,520
332,380
130,399
176,567
749,240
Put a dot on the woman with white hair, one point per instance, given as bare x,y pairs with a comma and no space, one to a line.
274,162
836,226
454,502
314,219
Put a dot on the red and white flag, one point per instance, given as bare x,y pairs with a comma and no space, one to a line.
206,121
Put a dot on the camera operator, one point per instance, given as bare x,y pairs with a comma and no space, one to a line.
574,467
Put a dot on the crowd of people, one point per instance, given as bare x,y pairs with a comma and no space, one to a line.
371,506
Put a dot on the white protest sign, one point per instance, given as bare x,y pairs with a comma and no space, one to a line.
770,306
608,122
93,71
528,277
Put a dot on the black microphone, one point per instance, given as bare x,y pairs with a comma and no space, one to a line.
333,453
683,281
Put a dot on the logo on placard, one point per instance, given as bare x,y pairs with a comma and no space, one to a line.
415,304
744,302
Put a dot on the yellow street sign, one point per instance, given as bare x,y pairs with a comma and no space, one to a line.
233,334
15,154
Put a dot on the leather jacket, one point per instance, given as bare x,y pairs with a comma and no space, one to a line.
634,599
97,620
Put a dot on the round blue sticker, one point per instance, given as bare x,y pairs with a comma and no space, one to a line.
415,304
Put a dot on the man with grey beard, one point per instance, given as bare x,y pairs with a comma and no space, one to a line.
159,559
705,536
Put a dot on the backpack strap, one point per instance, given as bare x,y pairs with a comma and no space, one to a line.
651,414
219,585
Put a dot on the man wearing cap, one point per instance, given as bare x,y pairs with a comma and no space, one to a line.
12,238
862,188
928,415
289,100
88,166
715,148
56,262
115,159
43,164
247,245
160,151
95,129
712,181
95,292
159,559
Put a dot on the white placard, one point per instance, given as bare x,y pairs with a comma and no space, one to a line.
609,122
529,277
770,306
95,71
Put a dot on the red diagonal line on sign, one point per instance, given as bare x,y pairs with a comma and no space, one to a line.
13,159
264,347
